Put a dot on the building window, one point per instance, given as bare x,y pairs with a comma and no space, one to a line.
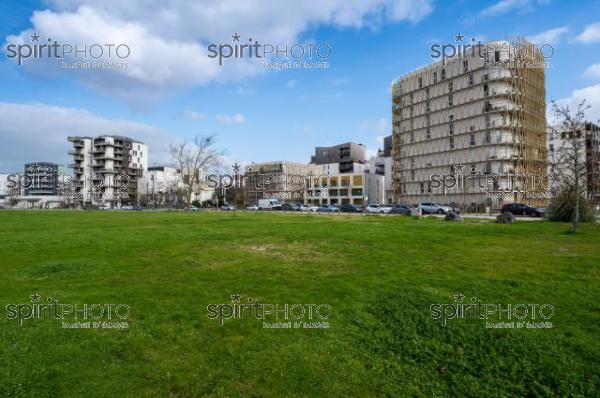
428,133
420,82
486,77
412,136
451,128
451,142
357,180
471,79
488,123
465,66
450,99
486,90
444,74
488,167
497,56
427,107
488,136
429,187
450,87
435,77
422,188
473,170
472,139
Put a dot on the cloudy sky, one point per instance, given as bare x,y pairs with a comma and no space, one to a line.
171,89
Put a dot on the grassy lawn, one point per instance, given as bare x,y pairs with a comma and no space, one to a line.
380,275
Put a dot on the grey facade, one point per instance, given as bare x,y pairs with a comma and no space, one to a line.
345,154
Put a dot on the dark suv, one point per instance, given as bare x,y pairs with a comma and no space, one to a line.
349,208
401,209
519,209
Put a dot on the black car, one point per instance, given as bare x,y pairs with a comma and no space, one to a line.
400,209
349,208
519,209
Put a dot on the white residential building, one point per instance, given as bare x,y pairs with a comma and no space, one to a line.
107,168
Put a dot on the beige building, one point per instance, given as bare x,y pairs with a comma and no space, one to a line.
465,118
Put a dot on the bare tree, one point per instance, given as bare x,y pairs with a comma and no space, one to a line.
194,160
569,167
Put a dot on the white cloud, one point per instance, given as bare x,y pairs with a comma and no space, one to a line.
193,115
590,34
38,132
590,94
593,71
168,38
551,36
238,118
505,6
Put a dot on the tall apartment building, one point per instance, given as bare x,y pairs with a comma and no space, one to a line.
589,146
106,168
468,117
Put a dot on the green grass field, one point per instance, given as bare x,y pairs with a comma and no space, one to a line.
380,275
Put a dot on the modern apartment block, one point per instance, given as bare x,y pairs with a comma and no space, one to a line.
106,168
469,117
347,157
281,180
589,147
346,188
40,179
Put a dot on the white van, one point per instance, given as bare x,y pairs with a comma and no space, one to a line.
267,204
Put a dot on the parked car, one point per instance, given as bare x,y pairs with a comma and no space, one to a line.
328,209
313,208
401,209
252,208
127,207
303,207
1,207
287,207
434,208
104,207
380,209
194,208
520,209
349,208
227,208
136,207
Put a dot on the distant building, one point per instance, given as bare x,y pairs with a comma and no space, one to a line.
163,186
347,158
107,168
589,145
40,179
281,180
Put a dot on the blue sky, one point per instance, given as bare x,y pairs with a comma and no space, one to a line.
175,91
